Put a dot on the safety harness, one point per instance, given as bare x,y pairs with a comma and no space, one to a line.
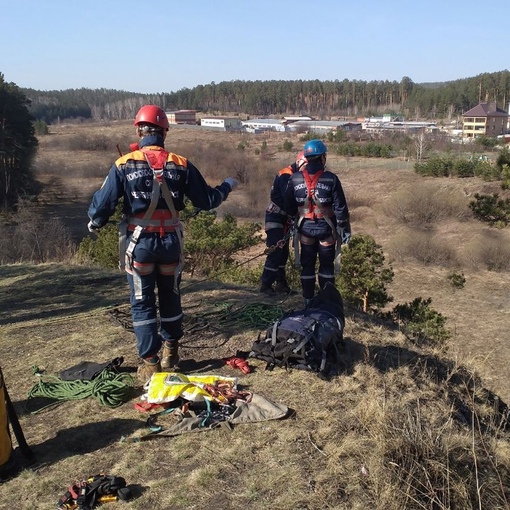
96,490
152,220
312,210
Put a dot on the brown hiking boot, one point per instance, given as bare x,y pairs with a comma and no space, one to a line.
170,355
145,371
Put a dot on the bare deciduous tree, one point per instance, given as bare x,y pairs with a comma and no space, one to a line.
420,145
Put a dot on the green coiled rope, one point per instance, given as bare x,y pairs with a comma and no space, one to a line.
111,389
252,315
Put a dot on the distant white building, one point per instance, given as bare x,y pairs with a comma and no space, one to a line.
221,123
293,118
322,126
258,125
388,123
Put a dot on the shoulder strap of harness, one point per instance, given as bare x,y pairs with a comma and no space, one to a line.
311,181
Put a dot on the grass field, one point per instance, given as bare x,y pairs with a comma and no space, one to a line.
400,428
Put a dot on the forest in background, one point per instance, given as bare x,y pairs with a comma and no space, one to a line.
321,99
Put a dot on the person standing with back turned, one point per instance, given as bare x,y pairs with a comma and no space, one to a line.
277,223
153,184
316,199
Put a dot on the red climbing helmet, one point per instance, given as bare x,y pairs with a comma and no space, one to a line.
151,114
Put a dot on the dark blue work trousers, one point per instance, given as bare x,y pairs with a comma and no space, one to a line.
155,266
326,273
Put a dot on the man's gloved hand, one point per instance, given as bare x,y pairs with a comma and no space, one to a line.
93,228
344,231
232,183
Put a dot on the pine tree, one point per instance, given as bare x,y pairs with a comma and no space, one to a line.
17,145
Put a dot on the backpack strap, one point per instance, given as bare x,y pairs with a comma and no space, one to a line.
274,333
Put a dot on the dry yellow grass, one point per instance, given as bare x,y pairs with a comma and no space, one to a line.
393,431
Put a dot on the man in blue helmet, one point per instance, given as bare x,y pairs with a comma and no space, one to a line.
153,184
316,199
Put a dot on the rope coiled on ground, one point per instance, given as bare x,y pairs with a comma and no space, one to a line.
111,389
251,315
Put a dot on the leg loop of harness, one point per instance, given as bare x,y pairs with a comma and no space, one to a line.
130,267
122,243
338,255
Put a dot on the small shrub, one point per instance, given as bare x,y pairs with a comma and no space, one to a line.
88,143
40,128
238,273
505,177
422,324
364,275
210,244
423,247
463,168
102,248
436,166
424,204
492,252
457,280
491,209
35,238
487,171
288,146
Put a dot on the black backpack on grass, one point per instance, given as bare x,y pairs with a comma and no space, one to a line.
309,339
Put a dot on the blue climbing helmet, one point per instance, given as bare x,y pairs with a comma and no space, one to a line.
314,148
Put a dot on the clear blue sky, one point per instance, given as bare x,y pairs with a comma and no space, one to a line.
168,45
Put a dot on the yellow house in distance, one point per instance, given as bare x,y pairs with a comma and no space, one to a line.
485,119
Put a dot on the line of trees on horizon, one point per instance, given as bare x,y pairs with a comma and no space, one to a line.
321,99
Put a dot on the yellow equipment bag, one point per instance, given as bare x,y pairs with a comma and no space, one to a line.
169,386
5,435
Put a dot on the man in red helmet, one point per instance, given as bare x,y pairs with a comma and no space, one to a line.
153,184
277,224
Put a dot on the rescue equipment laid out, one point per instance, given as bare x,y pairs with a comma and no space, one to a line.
169,386
309,339
96,490
194,403
240,363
